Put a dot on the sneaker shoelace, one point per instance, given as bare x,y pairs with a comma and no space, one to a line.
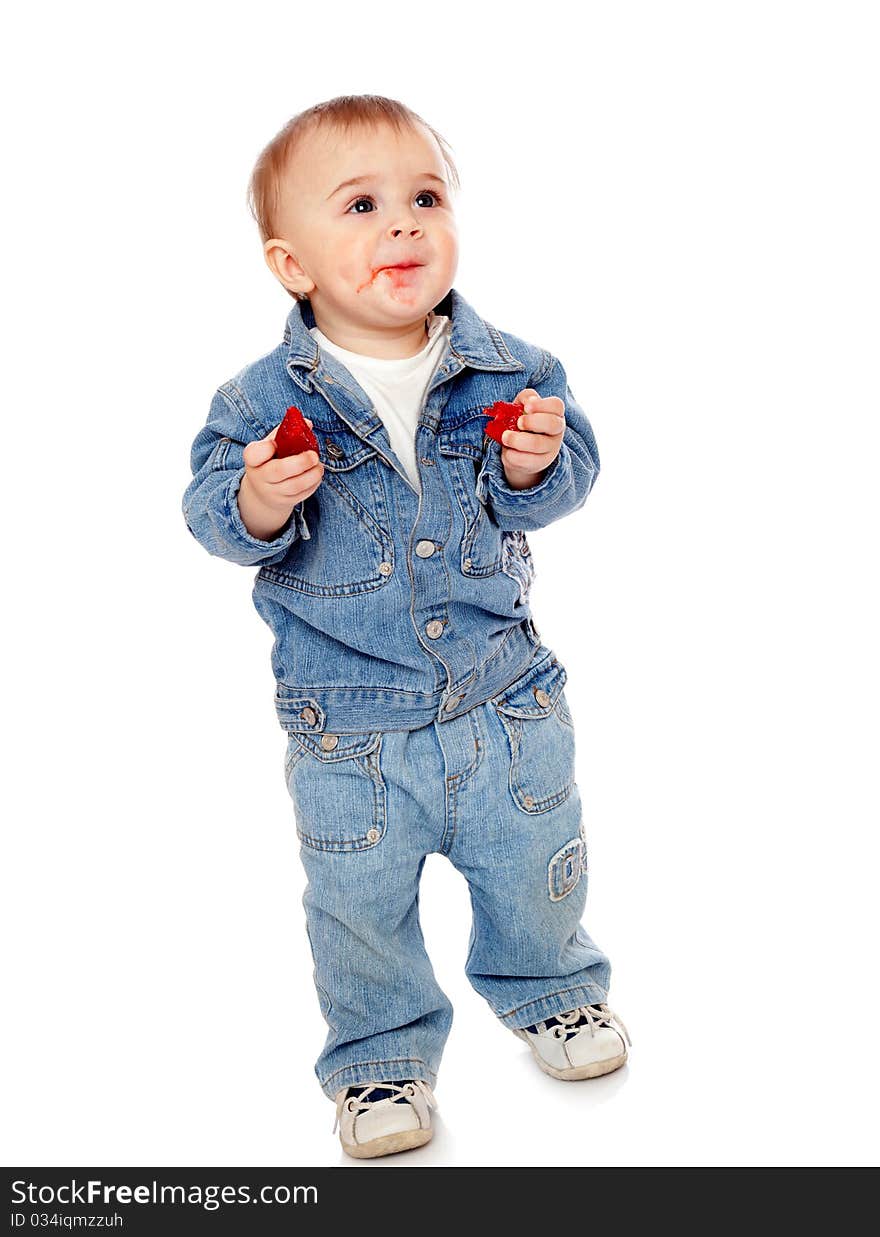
563,1026
384,1090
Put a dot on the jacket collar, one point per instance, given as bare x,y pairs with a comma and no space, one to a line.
475,342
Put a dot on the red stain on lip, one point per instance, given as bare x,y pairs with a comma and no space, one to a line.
401,266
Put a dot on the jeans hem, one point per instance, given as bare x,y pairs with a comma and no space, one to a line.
554,1003
376,1071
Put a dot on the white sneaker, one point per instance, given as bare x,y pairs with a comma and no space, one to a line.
386,1123
581,1043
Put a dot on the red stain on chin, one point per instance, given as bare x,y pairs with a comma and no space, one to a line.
368,282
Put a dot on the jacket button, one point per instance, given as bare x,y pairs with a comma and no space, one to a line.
434,628
373,835
309,715
425,549
529,801
329,741
541,696
334,450
467,564
385,569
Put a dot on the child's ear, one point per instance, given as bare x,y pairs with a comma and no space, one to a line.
283,264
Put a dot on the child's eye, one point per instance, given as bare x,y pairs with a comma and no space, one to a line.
424,193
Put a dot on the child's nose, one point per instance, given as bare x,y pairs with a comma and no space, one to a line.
415,230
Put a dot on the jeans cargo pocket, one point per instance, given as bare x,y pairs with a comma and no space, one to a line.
538,724
338,789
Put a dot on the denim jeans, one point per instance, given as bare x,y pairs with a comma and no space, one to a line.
494,790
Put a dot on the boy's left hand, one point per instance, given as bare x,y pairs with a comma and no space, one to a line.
528,451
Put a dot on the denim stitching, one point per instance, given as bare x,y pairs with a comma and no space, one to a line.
464,774
377,529
512,726
481,669
368,764
236,398
381,1061
561,992
559,883
545,367
409,567
450,813
296,583
474,521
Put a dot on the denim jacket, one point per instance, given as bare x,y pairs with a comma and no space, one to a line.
393,609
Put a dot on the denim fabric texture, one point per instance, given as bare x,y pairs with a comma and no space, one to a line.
423,713
494,791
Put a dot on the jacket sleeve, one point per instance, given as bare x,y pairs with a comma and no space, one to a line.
565,484
210,502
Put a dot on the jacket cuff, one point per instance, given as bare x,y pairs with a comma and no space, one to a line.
530,508
243,543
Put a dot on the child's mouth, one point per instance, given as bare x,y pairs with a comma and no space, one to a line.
400,275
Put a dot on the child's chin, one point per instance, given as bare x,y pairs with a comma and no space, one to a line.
405,303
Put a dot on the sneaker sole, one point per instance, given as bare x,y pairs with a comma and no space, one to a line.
404,1140
594,1070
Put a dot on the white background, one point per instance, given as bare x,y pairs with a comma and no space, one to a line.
680,200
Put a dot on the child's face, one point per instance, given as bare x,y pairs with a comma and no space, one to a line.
338,243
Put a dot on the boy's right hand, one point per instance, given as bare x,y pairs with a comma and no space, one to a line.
271,488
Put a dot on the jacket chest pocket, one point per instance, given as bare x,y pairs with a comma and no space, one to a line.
338,789
540,732
482,550
349,549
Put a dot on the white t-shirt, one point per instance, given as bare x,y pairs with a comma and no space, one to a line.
396,386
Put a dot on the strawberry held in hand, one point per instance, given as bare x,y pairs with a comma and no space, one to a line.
294,435
505,417
530,433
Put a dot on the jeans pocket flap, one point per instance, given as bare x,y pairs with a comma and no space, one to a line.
332,747
536,693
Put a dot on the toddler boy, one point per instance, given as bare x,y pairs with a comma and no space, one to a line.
422,711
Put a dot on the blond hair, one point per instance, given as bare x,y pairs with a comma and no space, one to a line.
344,112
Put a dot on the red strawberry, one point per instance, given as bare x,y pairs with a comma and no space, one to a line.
504,416
294,435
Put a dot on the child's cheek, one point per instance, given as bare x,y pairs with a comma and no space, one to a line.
351,271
